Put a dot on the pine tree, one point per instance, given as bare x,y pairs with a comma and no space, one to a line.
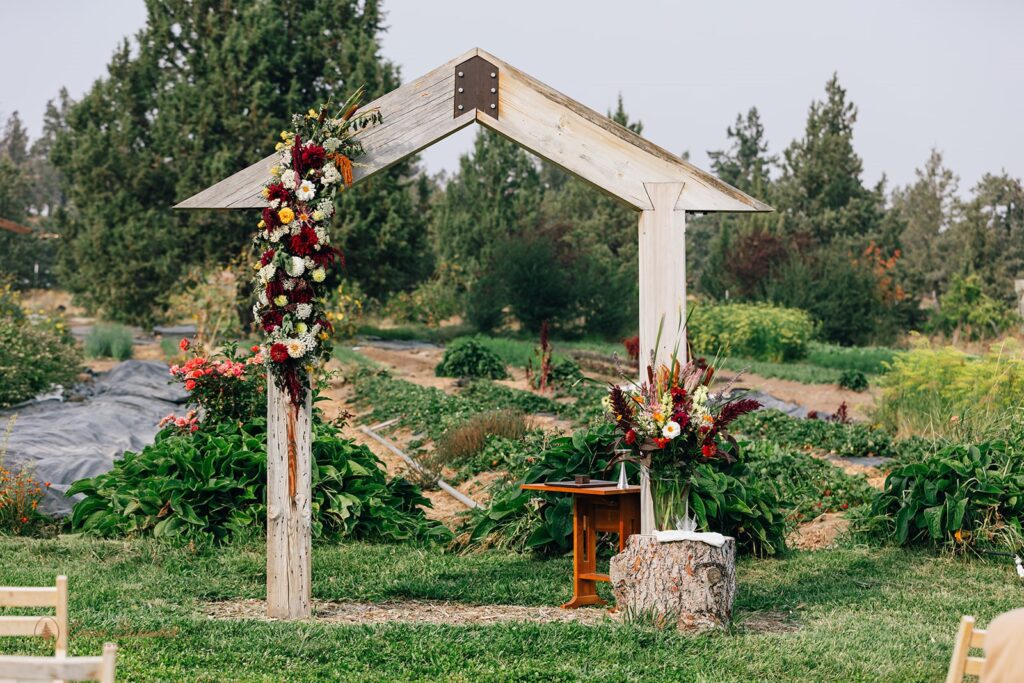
201,92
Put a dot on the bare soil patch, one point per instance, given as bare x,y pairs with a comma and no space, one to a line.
768,621
820,533
414,611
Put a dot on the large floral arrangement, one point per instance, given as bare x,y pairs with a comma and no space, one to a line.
296,252
672,422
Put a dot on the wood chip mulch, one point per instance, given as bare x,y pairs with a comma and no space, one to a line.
415,611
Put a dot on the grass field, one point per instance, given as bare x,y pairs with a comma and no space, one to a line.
852,614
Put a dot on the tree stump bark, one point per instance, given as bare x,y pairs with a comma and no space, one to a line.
688,584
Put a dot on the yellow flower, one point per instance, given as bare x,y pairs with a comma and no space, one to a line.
265,192
318,215
285,135
286,215
279,146
261,225
275,171
301,328
319,275
280,300
324,336
312,114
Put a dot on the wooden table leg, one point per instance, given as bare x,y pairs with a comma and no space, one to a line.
584,555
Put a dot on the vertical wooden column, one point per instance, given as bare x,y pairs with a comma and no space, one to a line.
289,545
662,275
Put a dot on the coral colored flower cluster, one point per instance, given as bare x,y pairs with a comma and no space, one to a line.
223,386
315,163
187,423
20,495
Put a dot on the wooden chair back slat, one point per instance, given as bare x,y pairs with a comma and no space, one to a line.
55,626
101,669
962,663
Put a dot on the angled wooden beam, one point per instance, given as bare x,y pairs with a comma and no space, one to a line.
416,115
599,151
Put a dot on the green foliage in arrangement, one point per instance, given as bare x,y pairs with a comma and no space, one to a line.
964,496
34,356
470,358
210,486
854,380
943,392
109,341
758,331
729,501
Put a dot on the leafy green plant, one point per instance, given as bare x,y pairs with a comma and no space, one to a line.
34,356
727,501
854,380
759,331
944,392
962,497
965,310
871,360
109,340
469,358
210,486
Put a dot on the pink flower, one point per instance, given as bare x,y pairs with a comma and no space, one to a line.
190,385
184,344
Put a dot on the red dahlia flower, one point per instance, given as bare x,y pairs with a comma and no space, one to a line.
678,394
270,219
312,156
184,344
277,191
708,450
278,353
631,437
272,320
267,257
303,243
660,442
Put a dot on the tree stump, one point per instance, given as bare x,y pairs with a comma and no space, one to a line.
686,583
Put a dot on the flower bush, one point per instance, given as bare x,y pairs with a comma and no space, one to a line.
20,495
315,162
759,331
35,354
224,387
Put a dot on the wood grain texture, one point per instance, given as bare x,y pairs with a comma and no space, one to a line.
416,115
289,517
584,143
51,627
101,669
662,257
687,585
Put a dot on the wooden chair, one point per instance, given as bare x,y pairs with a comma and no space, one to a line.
61,668
55,627
963,663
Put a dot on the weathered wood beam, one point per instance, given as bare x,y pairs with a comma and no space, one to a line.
289,506
662,255
599,151
416,115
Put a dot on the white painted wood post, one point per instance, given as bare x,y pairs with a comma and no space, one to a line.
662,275
289,540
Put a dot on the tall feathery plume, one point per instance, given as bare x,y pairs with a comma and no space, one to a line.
621,409
733,410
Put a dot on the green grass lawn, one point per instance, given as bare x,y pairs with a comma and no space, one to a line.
853,614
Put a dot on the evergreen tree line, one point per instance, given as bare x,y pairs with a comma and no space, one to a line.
204,88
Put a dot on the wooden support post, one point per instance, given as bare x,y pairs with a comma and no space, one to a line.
289,544
662,275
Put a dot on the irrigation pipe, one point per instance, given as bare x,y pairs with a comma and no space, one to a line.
441,483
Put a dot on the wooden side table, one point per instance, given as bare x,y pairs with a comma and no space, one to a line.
595,509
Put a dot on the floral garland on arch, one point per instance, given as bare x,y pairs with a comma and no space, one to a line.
295,247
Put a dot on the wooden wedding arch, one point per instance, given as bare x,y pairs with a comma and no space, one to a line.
477,87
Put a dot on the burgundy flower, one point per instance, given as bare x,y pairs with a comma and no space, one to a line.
270,219
303,243
267,257
274,288
301,294
311,156
272,320
631,437
277,191
678,394
682,418
278,353
733,410
326,256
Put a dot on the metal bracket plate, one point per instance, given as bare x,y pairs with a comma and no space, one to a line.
476,86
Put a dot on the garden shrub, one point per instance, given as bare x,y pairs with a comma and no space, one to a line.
109,341
964,496
469,358
20,494
966,310
943,392
210,485
854,380
871,360
728,500
759,331
34,356
432,301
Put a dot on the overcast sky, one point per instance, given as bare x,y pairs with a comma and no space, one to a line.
923,74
